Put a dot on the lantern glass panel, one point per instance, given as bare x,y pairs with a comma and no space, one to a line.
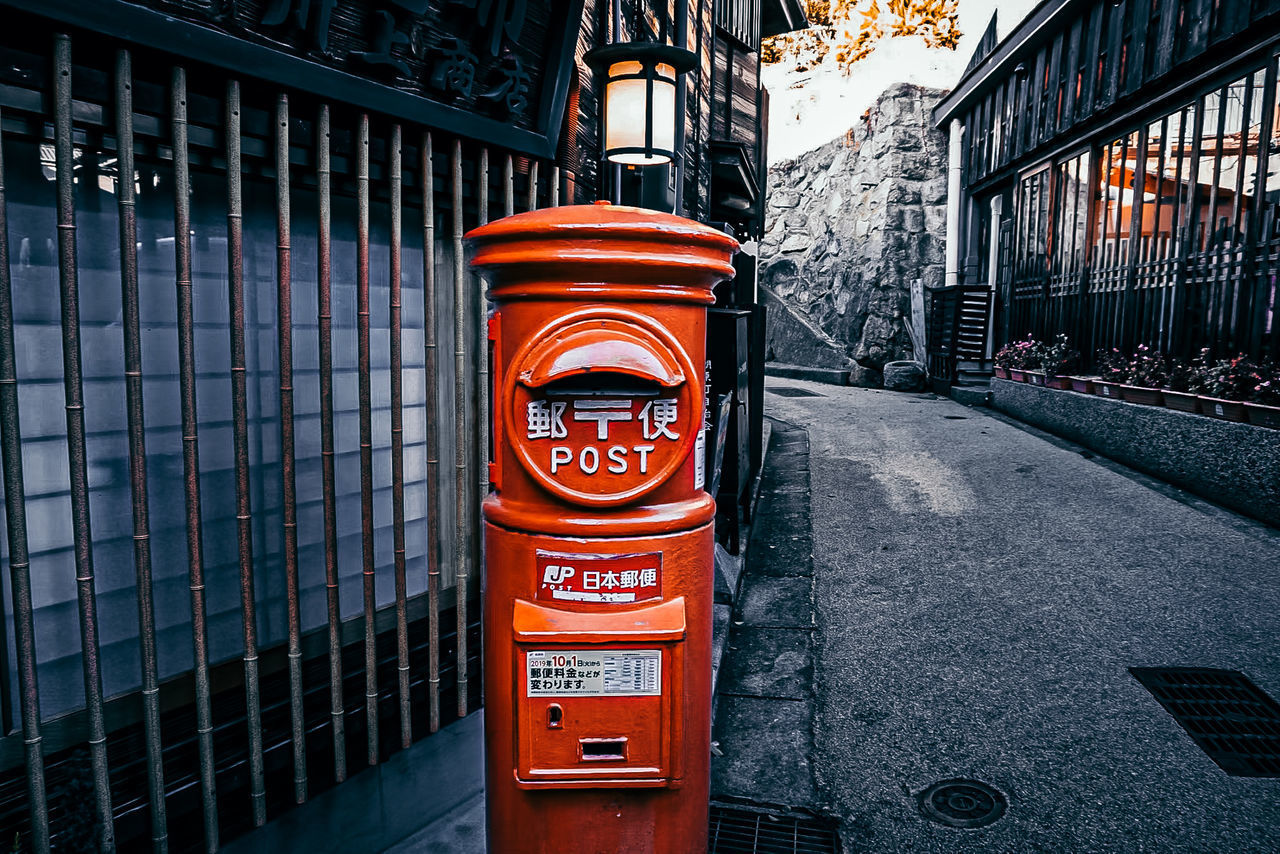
627,108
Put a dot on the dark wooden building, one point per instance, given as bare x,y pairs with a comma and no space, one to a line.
1118,169
243,398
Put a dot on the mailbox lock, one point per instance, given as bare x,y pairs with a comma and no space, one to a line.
555,716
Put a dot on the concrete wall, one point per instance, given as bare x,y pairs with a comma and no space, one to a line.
1237,465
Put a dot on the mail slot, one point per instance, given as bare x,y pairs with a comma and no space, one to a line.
598,536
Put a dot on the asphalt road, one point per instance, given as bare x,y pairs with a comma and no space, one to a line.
981,591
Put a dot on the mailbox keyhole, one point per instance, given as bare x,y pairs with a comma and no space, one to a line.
555,716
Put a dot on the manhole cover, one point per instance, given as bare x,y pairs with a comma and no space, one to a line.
751,831
962,803
790,391
1233,720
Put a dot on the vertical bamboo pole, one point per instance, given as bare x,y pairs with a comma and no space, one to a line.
138,448
284,349
195,566
77,458
240,433
462,440
480,396
430,356
394,171
508,187
15,506
324,323
366,436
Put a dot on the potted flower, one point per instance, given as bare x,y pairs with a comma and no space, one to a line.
1002,361
1019,357
1177,388
1113,370
1263,407
1033,362
1223,386
1059,360
1146,375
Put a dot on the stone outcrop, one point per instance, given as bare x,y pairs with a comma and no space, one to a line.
849,226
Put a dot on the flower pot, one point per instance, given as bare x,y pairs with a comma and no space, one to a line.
1017,376
1227,410
1001,373
1142,395
1058,382
1102,388
1263,415
1084,385
1183,401
1035,377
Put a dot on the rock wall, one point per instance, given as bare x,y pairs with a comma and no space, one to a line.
849,226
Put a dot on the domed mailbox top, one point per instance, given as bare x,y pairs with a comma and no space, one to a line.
601,251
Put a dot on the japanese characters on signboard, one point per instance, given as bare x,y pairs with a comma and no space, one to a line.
593,673
599,578
603,444
486,56
545,419
598,408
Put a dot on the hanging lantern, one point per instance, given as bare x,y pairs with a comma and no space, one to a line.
640,99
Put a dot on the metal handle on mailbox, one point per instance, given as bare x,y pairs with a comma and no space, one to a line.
663,622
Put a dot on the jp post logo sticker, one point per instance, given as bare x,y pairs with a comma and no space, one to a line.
598,578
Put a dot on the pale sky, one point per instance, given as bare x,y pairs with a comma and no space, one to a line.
809,109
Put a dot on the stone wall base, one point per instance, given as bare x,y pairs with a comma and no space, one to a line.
1236,465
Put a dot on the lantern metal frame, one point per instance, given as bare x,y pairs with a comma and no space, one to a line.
649,55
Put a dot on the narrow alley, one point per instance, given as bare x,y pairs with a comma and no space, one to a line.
980,593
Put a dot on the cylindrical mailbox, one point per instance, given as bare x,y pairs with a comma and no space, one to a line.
599,535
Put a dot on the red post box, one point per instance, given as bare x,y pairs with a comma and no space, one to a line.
599,536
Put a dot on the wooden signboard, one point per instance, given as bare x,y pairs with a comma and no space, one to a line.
496,71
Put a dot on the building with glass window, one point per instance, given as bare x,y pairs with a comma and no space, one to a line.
1115,176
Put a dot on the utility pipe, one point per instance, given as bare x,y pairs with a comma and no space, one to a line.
955,150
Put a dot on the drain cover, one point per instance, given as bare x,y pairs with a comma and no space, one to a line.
791,391
748,831
1233,720
962,803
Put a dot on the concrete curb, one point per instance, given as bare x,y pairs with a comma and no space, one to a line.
829,376
731,577
970,395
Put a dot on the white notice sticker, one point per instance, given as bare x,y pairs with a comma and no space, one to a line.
593,673
700,460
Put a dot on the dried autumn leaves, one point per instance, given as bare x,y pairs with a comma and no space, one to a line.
846,31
